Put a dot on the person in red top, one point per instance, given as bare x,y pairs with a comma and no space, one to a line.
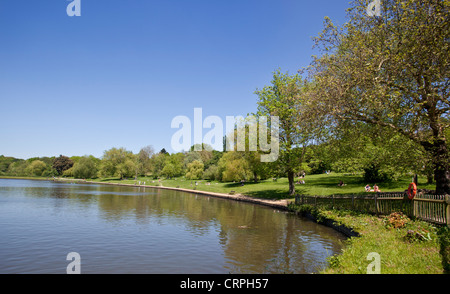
375,188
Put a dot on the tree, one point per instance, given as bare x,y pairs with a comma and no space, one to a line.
18,168
195,170
173,165
158,162
144,161
390,71
85,168
284,98
62,163
234,167
118,162
5,162
36,168
128,168
212,173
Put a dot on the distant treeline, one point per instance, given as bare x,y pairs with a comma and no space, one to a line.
122,163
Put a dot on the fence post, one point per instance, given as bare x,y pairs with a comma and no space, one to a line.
376,204
315,200
353,201
447,201
333,200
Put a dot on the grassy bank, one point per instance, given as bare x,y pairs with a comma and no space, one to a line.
405,246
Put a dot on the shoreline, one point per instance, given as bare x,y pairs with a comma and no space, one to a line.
278,204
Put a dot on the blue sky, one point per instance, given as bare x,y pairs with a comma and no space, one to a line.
118,74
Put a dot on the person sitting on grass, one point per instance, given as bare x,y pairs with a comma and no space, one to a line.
367,188
375,188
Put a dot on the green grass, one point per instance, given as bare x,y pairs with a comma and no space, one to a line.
398,254
321,184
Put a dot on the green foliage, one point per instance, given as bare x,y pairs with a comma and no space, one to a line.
195,170
85,168
390,73
444,240
17,168
158,161
372,174
5,162
118,162
69,172
285,98
418,235
144,160
233,167
36,168
212,173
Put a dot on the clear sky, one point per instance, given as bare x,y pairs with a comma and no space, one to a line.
118,74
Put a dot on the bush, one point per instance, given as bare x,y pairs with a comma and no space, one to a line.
444,239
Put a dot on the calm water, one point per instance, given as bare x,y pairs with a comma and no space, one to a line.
136,230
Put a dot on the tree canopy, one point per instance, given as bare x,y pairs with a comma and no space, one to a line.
391,71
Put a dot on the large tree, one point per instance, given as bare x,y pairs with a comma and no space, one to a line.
86,167
284,99
119,162
62,163
143,157
391,71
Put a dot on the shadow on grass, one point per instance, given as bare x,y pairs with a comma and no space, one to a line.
269,194
109,179
259,190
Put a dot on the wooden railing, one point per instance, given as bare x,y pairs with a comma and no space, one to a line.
430,208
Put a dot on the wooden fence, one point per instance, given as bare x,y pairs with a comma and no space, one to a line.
430,208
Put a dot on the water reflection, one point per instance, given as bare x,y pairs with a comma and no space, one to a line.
158,231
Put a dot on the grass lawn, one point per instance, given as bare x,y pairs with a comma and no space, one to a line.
401,251
321,184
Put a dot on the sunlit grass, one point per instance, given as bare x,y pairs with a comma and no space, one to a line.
321,184
398,254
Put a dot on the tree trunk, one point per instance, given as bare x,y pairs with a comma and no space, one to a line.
291,183
430,178
441,162
255,177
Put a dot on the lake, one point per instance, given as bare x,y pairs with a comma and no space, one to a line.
131,230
